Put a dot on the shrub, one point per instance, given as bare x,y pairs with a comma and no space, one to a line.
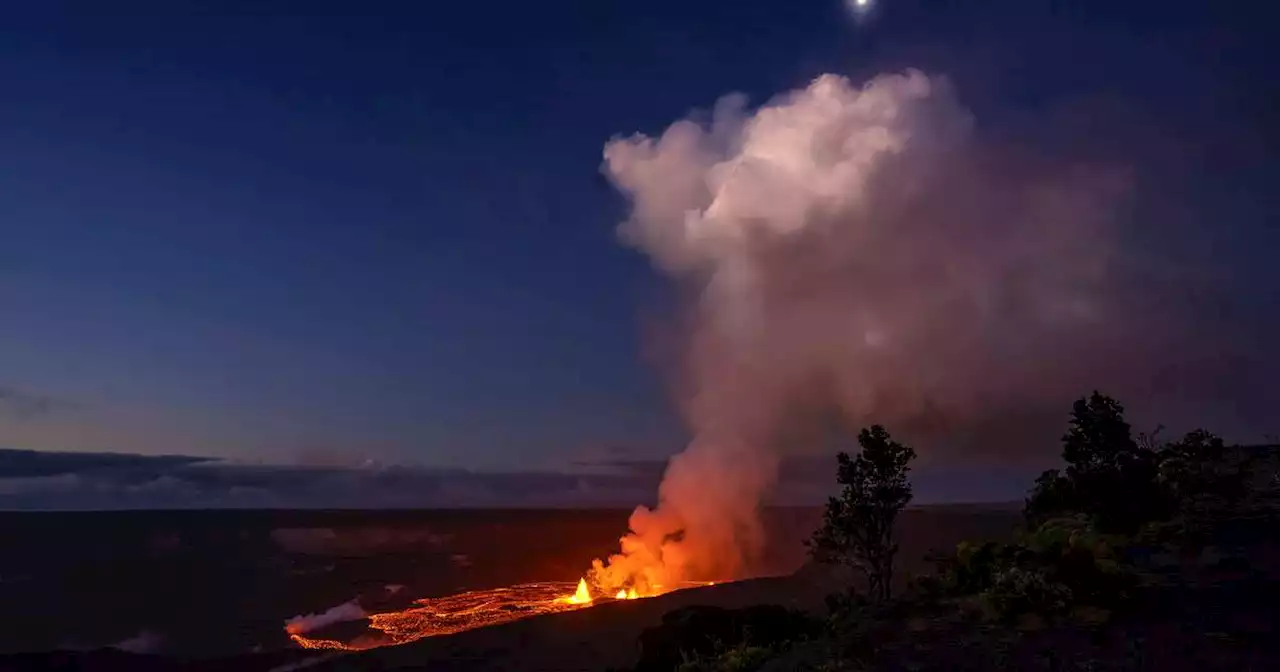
844,605
1057,534
741,658
700,635
1015,591
1064,563
973,567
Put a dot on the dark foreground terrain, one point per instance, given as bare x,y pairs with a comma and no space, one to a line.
1134,556
1213,613
1208,609
207,586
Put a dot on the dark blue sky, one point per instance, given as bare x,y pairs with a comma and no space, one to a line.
282,234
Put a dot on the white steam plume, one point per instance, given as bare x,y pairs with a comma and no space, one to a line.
302,624
857,249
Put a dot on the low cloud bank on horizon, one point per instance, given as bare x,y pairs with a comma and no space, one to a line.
36,480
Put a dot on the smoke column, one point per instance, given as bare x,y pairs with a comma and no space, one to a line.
859,249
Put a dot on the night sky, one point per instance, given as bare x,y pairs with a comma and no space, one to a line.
326,233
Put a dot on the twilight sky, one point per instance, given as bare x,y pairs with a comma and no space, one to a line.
324,237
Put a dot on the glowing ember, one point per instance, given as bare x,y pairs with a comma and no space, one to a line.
466,611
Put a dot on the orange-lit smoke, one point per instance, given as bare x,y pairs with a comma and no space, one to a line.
851,249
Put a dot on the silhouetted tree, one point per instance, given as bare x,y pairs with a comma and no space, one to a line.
1198,474
1108,476
1099,439
1053,495
857,530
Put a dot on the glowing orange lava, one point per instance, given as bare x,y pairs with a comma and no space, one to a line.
581,596
430,617
435,616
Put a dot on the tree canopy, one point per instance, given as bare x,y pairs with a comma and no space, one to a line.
857,529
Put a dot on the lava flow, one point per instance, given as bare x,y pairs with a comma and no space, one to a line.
435,616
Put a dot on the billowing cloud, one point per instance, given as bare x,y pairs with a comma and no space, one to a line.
863,253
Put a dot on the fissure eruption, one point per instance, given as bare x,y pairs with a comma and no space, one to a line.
858,252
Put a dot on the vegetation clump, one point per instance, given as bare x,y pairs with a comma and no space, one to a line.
1112,544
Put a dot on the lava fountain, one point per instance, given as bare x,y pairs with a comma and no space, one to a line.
787,226
580,596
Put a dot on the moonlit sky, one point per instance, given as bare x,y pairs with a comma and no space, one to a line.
341,234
